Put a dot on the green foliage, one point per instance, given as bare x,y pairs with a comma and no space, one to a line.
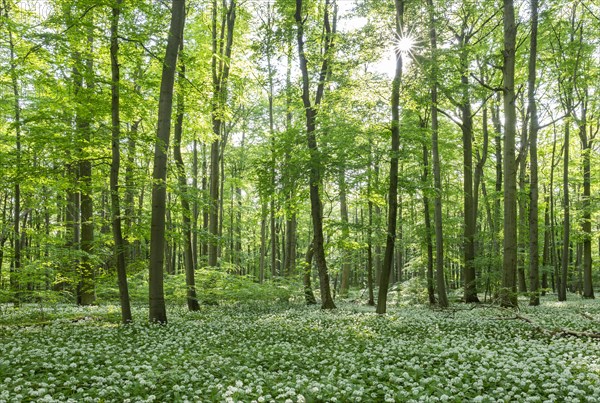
213,286
410,292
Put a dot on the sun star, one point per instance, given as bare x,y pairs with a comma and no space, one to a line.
404,43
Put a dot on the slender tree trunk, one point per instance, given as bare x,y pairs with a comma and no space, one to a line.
170,247
290,241
384,279
437,178
195,207
586,224
206,204
238,197
371,301
499,163
546,256
273,240
130,189
345,283
428,232
119,248
86,291
159,175
400,240
186,212
309,297
3,235
378,216
534,277
553,250
482,155
315,162
275,270
291,224
263,243
221,46
16,266
221,218
508,296
470,280
523,216
562,287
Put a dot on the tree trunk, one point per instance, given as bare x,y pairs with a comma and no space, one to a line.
119,248
586,225
562,279
378,215
523,216
159,175
315,160
553,250
221,47
273,240
86,291
371,300
206,204
428,233
508,296
17,186
534,277
400,240
309,297
186,212
195,207
482,155
470,281
292,223
384,279
546,255
3,235
437,179
275,270
130,189
499,163
345,283
263,243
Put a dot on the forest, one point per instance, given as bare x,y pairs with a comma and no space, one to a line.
299,200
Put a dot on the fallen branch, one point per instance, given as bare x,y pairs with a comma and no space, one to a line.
590,317
552,333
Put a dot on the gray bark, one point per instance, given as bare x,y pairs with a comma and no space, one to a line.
119,248
157,311
508,296
386,269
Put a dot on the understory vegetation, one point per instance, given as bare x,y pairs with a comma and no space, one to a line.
288,352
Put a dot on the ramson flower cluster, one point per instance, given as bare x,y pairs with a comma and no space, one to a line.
299,354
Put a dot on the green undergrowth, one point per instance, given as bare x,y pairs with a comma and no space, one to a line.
286,352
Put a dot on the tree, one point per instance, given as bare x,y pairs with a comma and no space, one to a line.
386,269
437,177
84,84
345,283
221,48
186,211
534,277
17,127
427,217
159,174
508,294
311,117
119,249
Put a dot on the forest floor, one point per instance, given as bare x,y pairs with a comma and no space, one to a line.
293,353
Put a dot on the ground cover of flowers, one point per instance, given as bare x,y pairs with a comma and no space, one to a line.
291,353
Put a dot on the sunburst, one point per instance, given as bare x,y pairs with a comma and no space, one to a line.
405,43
